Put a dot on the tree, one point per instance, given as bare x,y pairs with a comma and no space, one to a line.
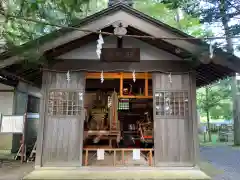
222,111
210,97
173,17
225,12
60,12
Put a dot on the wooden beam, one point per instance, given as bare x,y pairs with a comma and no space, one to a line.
134,97
106,75
7,90
138,75
117,75
142,66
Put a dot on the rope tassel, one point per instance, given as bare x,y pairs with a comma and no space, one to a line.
100,42
68,76
102,77
134,76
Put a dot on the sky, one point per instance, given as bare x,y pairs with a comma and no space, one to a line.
219,32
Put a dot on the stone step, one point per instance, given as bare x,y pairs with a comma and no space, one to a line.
101,174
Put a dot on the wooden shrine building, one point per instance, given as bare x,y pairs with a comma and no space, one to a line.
141,87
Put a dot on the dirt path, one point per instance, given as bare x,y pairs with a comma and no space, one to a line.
14,170
225,159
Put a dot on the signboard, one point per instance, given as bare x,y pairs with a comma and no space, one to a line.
100,154
120,55
12,124
136,154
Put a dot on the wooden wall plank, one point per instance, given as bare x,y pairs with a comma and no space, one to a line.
62,141
173,135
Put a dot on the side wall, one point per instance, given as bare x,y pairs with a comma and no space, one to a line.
60,136
21,95
13,101
174,132
6,108
20,108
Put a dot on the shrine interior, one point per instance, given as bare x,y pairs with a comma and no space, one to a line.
116,119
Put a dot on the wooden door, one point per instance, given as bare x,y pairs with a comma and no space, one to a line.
63,119
173,128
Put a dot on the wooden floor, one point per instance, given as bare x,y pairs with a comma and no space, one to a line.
106,173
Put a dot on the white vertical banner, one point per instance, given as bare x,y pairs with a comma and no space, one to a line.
100,154
136,154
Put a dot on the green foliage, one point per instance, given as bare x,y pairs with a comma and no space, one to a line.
60,12
216,100
189,6
214,12
163,12
222,111
225,12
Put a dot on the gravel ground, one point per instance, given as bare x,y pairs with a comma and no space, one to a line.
223,158
14,170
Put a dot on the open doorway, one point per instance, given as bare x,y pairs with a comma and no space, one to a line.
117,122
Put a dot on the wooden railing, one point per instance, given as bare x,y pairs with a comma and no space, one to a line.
146,153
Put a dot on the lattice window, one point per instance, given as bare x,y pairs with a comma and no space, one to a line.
172,104
65,103
123,104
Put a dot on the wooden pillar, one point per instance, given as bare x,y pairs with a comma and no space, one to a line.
121,84
40,134
146,84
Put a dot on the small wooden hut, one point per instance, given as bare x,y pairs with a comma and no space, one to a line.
167,73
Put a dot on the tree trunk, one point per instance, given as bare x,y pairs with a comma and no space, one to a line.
235,97
236,110
208,127
208,116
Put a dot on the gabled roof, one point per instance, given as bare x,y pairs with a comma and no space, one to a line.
118,6
222,65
